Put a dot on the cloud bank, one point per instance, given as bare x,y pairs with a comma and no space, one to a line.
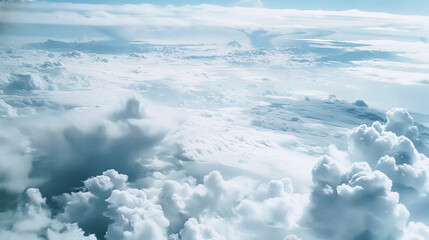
208,122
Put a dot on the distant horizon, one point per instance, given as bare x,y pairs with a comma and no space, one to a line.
402,7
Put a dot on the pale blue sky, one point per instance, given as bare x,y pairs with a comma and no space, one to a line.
417,7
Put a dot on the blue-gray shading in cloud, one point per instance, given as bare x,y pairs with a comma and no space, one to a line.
347,57
100,47
76,154
289,115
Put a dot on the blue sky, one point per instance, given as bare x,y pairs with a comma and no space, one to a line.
415,7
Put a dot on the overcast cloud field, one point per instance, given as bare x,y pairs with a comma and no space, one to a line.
214,120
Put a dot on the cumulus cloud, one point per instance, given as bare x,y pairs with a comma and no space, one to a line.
416,231
271,211
401,122
215,209
193,230
354,204
183,201
404,176
109,207
388,148
24,82
32,220
135,217
369,143
87,207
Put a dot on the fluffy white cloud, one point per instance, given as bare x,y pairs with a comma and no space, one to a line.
215,196
404,176
110,208
401,122
32,220
88,207
369,143
134,216
354,204
193,230
416,231
273,211
386,149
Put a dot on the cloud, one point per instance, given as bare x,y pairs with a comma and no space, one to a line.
24,82
309,117
6,109
183,201
33,219
54,68
291,237
88,207
133,110
134,217
135,171
275,208
271,210
109,206
48,76
72,53
386,148
250,3
17,1
193,230
404,176
400,122
369,143
354,204
112,209
416,231
57,157
84,153
385,183
16,160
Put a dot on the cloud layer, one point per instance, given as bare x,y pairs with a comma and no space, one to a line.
208,122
